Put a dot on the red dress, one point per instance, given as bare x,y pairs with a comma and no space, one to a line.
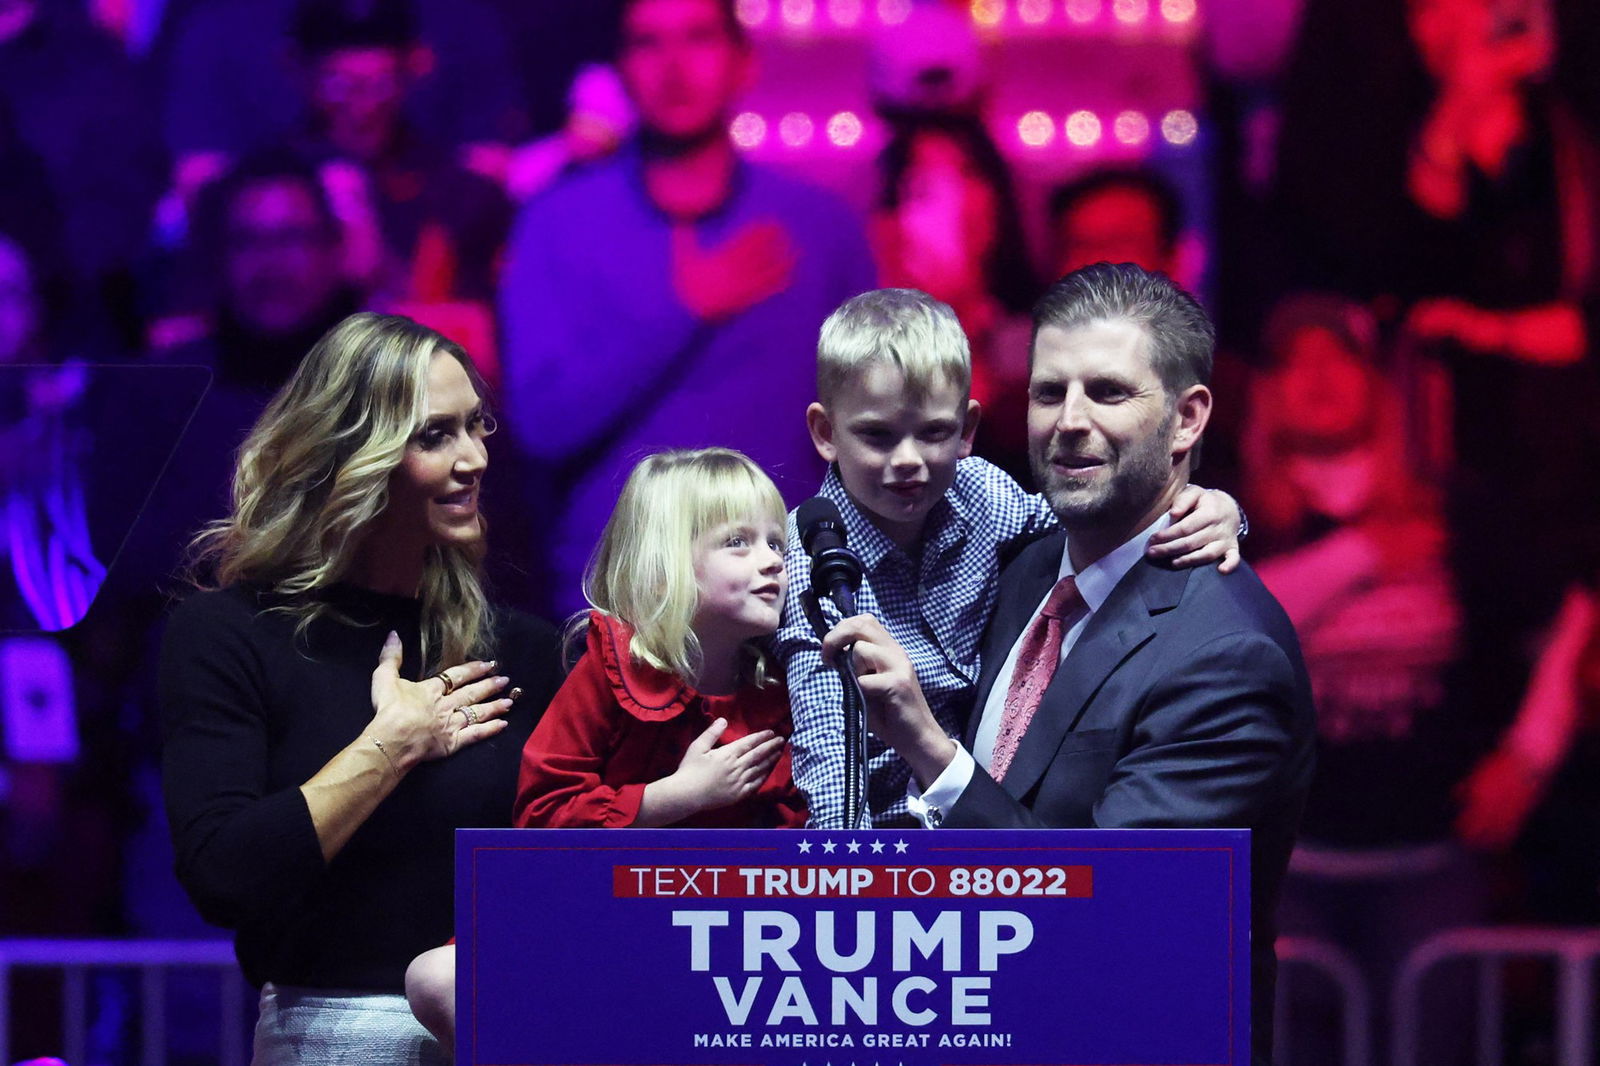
616,725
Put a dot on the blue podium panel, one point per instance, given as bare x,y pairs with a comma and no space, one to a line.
811,948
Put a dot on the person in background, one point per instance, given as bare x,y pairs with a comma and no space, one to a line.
691,280
1116,216
230,85
1502,177
1355,548
418,225
86,114
947,224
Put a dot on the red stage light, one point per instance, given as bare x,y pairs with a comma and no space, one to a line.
1083,128
1131,11
796,129
844,12
754,12
1033,12
893,12
988,12
845,129
1178,10
748,130
1179,128
799,12
1131,127
1036,129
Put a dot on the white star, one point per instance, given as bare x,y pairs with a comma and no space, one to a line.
877,849
900,847
805,849
827,846
852,848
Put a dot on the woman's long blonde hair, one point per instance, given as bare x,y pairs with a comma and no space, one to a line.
314,474
643,570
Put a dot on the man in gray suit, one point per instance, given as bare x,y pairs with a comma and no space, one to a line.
1115,693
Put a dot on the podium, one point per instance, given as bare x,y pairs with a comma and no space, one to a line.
820,948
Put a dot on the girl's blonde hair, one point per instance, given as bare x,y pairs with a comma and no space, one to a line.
314,473
643,570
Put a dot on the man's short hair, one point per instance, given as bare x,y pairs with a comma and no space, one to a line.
1182,339
1169,209
730,18
903,328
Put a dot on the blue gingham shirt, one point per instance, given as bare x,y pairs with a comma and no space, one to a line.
935,605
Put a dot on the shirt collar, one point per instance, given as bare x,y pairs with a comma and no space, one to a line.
1096,580
871,544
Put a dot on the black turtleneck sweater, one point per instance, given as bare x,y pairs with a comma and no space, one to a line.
250,712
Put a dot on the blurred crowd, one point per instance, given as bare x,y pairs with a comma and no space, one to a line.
1404,259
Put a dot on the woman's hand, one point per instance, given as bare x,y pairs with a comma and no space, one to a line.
420,720
1204,529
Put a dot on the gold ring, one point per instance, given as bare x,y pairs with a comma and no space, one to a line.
449,685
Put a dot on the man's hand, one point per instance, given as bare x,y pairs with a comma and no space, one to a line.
897,711
752,265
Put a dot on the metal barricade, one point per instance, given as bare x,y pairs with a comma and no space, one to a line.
1573,951
74,959
1355,1015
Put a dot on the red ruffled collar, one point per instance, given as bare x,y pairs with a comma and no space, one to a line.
648,694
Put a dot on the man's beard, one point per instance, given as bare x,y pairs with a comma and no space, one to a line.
1140,475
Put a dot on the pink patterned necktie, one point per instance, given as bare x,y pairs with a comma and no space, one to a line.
1037,660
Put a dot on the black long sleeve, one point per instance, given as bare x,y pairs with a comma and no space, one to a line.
251,711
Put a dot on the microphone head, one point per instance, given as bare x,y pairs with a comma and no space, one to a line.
816,517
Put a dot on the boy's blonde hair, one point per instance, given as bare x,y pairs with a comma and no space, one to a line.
643,570
906,328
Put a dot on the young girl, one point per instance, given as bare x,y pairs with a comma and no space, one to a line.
675,715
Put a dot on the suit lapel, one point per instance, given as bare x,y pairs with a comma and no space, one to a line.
1121,626
1022,586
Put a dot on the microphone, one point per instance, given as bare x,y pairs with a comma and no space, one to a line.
835,569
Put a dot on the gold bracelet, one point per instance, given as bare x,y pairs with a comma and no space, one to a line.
387,757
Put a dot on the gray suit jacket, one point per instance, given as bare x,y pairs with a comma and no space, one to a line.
1184,704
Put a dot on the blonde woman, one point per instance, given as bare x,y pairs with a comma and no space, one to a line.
344,698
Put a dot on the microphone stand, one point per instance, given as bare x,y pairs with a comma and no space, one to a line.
855,714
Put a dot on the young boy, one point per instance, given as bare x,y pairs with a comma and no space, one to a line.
931,525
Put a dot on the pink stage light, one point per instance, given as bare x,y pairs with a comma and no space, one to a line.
1036,129
1179,128
893,12
1178,10
1131,127
754,12
845,129
1131,11
1083,128
799,12
796,129
748,130
844,12
1082,11
1034,12
988,12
